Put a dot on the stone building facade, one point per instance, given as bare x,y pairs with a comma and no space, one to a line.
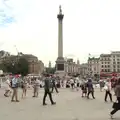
83,69
106,63
93,66
115,61
110,62
72,67
35,66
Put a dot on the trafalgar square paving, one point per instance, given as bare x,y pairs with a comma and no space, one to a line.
70,106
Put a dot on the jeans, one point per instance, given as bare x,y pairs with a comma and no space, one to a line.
45,95
15,92
90,92
54,87
116,109
108,93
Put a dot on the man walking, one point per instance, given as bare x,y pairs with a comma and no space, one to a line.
54,84
117,93
90,88
47,90
108,91
14,85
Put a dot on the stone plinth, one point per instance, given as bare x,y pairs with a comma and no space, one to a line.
60,66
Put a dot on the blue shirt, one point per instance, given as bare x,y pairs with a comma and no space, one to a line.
14,82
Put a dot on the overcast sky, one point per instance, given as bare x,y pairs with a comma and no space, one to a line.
89,26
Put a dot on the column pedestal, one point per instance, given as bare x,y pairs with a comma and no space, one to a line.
60,67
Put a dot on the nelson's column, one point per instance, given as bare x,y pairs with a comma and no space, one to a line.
60,62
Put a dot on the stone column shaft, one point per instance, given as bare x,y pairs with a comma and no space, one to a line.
60,38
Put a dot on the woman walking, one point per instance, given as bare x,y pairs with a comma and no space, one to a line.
90,88
117,93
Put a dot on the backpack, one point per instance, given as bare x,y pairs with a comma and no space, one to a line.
11,83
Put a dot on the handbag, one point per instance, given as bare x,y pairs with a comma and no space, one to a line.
105,88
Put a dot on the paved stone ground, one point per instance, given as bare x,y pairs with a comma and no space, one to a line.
70,106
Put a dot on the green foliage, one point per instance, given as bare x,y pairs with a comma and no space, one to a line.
50,70
15,65
22,66
3,67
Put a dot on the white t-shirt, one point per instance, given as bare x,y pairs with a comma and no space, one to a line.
71,81
37,83
108,86
7,84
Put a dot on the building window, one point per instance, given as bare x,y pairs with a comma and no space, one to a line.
108,62
114,70
108,66
113,62
113,66
102,66
118,62
105,70
102,62
105,66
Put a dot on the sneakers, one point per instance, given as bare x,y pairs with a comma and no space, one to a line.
111,116
54,103
44,104
6,95
12,100
15,101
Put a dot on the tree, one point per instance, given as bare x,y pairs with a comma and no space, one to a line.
50,70
3,67
22,66
15,65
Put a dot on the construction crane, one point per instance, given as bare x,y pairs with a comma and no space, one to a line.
6,4
16,50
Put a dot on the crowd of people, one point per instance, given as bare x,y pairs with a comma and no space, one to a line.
50,82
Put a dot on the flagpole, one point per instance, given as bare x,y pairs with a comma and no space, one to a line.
89,55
